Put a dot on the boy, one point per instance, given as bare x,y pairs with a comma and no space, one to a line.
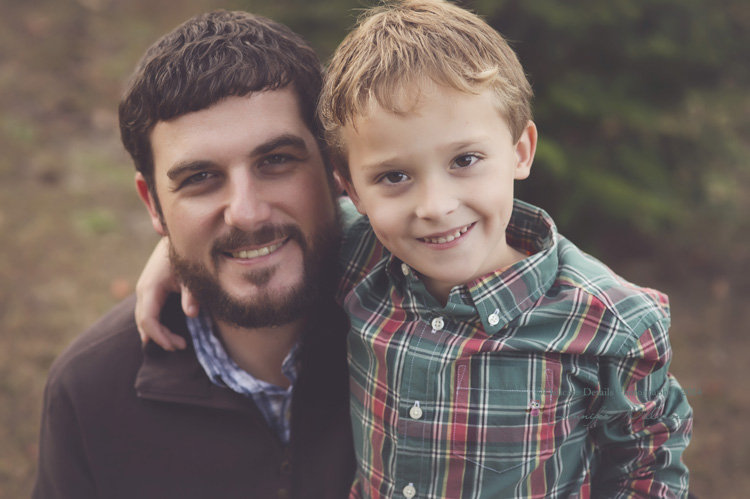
489,357
482,344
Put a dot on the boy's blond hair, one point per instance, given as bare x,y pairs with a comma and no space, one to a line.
401,45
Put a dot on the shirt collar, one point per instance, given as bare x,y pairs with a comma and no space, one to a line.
500,296
223,371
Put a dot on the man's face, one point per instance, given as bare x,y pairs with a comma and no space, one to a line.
437,183
247,206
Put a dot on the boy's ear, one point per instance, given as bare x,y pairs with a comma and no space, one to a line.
525,150
145,194
349,188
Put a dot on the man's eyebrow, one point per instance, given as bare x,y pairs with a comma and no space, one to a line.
181,169
286,140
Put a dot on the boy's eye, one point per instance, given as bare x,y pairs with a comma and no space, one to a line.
466,160
394,178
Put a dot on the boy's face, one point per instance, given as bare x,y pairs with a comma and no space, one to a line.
437,184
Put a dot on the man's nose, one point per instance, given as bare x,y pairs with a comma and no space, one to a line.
246,207
436,198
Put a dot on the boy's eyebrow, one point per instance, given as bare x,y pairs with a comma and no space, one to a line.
451,147
285,140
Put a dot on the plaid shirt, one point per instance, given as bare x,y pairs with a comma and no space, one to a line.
547,379
274,402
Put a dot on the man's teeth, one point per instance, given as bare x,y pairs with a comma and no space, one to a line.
266,250
448,238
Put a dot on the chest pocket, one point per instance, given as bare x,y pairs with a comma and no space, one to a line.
511,414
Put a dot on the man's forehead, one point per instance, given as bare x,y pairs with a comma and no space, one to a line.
251,122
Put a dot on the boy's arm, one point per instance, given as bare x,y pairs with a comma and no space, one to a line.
647,424
154,285
360,250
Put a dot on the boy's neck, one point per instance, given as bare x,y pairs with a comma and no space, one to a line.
442,290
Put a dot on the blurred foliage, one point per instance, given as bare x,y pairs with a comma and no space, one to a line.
643,112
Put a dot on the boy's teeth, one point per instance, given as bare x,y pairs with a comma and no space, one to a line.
449,238
266,250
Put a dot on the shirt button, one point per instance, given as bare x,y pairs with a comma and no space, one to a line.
438,323
405,269
415,412
493,319
410,491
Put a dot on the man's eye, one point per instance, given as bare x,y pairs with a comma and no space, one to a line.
394,178
276,159
466,160
197,178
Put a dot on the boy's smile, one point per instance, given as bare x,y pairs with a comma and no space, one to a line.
437,183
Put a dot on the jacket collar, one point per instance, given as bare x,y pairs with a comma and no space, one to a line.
178,377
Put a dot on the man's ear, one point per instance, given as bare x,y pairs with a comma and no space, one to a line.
525,150
145,194
352,192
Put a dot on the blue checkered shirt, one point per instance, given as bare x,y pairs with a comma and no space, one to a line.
273,401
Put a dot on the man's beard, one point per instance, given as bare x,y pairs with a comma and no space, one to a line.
265,308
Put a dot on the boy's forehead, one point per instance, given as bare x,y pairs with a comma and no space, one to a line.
437,121
411,100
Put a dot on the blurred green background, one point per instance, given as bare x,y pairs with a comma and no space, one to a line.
644,159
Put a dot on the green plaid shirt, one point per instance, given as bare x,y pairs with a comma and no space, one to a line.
547,379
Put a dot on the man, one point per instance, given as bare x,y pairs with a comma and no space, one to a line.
219,119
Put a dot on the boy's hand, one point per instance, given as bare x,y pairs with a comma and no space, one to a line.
154,285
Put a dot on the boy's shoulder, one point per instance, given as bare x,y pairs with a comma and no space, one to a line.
635,308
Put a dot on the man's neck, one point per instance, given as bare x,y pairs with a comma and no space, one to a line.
261,352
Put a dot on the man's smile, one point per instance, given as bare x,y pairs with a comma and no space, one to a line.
258,252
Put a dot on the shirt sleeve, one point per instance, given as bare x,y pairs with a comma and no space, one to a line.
360,250
63,471
646,423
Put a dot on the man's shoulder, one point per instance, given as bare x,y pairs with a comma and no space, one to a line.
100,364
113,335
110,348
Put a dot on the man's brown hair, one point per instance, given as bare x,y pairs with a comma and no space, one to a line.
208,58
399,46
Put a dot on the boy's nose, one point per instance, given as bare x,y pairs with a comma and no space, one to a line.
246,206
436,199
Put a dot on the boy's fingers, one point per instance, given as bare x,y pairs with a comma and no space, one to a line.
177,341
150,329
189,304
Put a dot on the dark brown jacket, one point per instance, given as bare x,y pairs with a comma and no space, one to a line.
123,422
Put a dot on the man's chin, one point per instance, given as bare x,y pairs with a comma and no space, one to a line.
256,308
269,308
